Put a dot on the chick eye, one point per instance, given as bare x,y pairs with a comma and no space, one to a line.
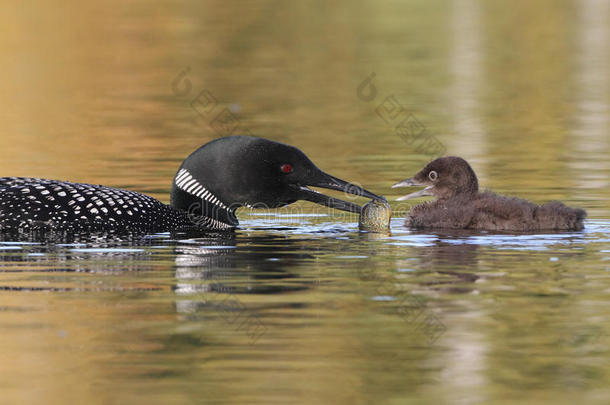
433,175
286,168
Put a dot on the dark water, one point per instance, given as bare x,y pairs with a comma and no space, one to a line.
297,306
308,310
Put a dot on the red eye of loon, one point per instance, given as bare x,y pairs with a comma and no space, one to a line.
286,168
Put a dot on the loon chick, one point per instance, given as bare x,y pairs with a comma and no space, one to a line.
209,186
460,205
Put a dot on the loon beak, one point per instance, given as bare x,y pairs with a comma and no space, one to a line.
410,183
327,181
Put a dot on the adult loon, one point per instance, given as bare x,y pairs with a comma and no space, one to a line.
460,205
209,186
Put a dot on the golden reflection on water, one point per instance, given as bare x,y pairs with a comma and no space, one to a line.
519,89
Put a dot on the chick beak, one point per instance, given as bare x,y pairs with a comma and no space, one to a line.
411,183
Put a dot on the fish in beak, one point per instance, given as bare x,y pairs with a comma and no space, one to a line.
323,180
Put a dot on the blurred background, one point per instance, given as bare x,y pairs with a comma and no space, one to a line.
521,90
119,93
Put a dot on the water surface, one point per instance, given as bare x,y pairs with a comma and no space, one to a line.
297,306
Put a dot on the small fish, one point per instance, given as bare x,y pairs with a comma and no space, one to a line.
375,216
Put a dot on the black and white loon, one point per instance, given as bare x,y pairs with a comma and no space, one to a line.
209,186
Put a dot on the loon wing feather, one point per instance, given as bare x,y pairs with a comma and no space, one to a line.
30,203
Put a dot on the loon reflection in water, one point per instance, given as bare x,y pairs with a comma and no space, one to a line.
460,205
210,185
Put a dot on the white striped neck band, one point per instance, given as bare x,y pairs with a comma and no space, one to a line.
186,182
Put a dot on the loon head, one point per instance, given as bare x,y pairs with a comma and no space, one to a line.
443,178
237,171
